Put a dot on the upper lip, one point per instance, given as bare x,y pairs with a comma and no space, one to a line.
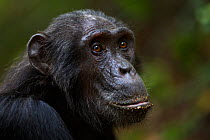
142,102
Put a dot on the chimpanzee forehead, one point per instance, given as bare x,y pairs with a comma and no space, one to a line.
93,22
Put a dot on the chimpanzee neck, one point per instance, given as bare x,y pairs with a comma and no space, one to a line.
78,127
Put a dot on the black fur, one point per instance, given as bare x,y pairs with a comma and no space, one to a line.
63,89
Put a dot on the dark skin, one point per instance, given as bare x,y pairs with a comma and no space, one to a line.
76,81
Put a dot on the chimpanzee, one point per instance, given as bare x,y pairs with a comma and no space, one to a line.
76,81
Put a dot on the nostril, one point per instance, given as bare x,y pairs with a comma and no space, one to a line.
124,71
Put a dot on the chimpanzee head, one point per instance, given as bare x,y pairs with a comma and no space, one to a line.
90,56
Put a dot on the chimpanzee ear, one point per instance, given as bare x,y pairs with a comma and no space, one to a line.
35,52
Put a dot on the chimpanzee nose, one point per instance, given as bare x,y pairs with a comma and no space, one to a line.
126,68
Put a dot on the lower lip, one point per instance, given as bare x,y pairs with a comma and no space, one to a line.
141,105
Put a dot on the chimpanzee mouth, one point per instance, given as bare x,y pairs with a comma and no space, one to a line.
140,103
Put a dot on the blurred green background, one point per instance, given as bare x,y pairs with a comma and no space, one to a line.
173,43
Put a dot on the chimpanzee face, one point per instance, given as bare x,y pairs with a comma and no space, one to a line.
96,53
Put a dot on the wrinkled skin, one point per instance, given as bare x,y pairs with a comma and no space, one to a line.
78,78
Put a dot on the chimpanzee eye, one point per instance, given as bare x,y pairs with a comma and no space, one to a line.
123,44
97,48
